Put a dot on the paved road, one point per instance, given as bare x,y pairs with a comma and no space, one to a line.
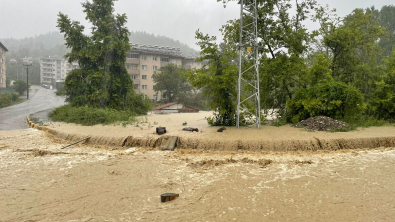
14,117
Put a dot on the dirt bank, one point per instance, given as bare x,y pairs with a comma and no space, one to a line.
103,183
269,138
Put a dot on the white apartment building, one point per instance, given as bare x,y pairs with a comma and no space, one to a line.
143,60
55,68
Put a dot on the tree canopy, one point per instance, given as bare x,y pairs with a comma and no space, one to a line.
342,70
102,79
169,82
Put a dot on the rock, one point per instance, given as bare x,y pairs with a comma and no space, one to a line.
190,129
221,129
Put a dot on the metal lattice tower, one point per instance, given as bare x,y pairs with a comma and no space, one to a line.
248,76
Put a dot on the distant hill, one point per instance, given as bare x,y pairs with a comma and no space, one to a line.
52,44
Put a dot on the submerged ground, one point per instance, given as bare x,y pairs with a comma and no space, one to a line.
41,182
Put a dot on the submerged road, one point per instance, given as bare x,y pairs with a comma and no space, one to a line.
14,117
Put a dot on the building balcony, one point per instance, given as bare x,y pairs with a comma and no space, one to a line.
136,81
132,61
133,71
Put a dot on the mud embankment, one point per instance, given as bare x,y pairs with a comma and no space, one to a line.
230,145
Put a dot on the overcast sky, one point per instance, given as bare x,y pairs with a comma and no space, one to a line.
178,19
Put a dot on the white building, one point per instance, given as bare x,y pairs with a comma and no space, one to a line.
54,68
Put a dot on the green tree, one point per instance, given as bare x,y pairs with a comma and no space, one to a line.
218,79
355,51
385,17
383,103
20,86
102,79
169,82
283,43
333,99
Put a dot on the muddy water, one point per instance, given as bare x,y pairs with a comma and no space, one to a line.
100,183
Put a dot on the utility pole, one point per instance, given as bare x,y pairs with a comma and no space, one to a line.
26,62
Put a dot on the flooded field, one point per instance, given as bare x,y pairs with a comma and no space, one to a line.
41,182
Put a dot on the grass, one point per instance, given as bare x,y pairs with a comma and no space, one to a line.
89,116
17,101
367,121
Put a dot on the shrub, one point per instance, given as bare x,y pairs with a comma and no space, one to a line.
14,96
5,99
89,116
333,99
20,86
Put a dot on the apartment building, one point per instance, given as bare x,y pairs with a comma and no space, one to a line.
143,60
3,77
55,68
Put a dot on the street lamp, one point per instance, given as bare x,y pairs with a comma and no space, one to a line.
27,63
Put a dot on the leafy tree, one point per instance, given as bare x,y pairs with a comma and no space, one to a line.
169,82
20,86
385,17
355,50
383,103
283,42
218,79
333,99
102,79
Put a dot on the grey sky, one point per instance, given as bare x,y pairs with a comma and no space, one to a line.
178,19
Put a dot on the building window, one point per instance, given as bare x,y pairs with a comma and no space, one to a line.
132,55
143,57
154,58
133,77
144,67
174,61
144,86
164,59
144,76
154,68
131,66
155,97
1,81
136,86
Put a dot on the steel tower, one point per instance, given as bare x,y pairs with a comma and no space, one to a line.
248,81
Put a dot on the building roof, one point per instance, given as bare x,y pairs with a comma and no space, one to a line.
164,106
1,44
159,50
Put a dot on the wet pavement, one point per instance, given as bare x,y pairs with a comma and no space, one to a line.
14,117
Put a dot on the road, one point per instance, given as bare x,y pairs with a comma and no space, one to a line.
14,117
